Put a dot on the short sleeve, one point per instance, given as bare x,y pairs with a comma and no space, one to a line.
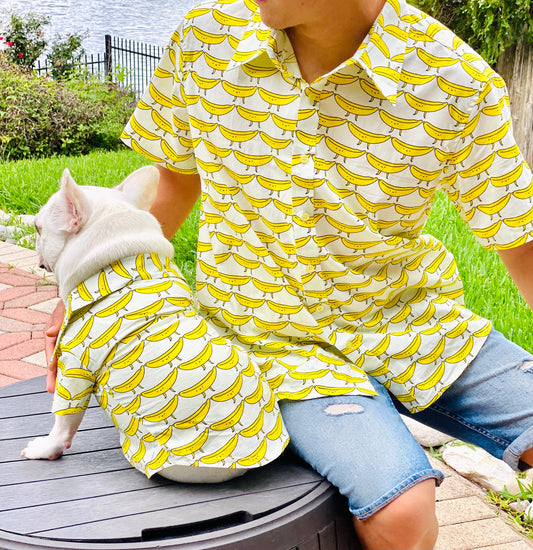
159,127
491,183
74,386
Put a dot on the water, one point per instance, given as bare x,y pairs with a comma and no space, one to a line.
150,21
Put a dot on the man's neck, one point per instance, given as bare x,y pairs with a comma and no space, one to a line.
321,45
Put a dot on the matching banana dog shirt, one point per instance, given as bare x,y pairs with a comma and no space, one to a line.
177,390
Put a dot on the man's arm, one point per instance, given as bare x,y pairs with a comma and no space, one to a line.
176,196
519,264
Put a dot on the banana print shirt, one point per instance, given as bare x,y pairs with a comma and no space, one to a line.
311,249
174,403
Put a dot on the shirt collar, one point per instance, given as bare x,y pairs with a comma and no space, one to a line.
382,60
257,40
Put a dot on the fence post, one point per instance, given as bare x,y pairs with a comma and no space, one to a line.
108,57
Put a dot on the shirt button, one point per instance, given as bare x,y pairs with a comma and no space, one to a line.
304,159
310,268
320,308
305,217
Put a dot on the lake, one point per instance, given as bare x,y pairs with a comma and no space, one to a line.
150,21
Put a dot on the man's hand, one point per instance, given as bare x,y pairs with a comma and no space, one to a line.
51,331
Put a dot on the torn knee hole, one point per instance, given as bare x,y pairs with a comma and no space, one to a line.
526,366
344,408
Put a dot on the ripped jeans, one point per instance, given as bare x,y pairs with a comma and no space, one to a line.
361,445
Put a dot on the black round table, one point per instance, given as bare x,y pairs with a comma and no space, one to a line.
93,499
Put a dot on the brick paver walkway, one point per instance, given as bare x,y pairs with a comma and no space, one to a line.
27,296
26,300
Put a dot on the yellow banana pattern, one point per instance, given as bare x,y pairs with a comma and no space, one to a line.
315,196
177,390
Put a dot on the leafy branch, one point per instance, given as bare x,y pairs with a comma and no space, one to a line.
489,26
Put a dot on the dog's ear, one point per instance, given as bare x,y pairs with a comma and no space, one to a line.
140,187
75,209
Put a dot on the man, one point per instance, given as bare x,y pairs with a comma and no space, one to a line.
317,132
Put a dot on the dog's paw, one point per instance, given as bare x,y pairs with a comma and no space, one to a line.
43,447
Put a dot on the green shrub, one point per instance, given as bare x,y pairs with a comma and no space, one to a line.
24,42
114,104
489,26
40,118
24,38
65,55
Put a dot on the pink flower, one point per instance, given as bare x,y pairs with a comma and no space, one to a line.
9,43
21,55
68,34
1,37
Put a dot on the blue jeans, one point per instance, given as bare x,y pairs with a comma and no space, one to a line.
361,445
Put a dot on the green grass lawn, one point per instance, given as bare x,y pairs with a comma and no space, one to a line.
489,291
27,185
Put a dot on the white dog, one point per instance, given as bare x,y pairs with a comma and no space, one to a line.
188,404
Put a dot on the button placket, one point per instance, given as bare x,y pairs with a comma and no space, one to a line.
277,214
305,177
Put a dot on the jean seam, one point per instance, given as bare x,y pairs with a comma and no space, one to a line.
496,439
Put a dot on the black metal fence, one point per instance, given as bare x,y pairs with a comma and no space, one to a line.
93,64
125,62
